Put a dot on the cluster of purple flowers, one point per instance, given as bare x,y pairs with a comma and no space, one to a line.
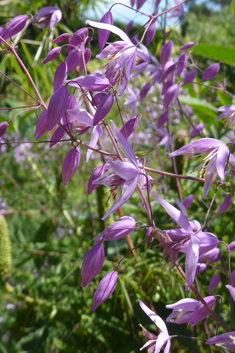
86,109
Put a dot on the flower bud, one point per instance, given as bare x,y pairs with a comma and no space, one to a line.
231,290
188,201
181,63
103,108
117,230
3,128
171,93
73,59
41,127
129,127
151,33
62,38
200,311
212,255
14,26
57,136
211,72
189,77
104,33
140,3
57,106
97,172
129,26
60,75
105,289
52,54
195,132
78,37
70,164
187,45
166,52
214,282
47,16
92,263
200,268
232,278
232,246
225,204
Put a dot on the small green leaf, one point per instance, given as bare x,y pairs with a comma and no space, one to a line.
232,8
143,153
216,52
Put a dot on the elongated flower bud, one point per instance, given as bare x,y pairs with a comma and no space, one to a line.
226,203
97,173
57,106
211,72
3,128
200,268
166,52
52,54
14,26
189,77
92,263
70,164
151,33
104,108
129,127
214,282
129,26
78,37
140,3
200,311
105,288
87,57
41,127
104,33
232,278
162,119
171,93
62,38
212,255
187,45
73,59
60,75
117,230
188,201
57,136
181,63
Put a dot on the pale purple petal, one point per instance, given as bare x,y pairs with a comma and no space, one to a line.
226,203
200,311
231,290
222,155
97,173
126,145
154,317
188,201
166,52
176,215
103,108
191,260
94,139
123,199
57,136
211,72
227,339
187,304
187,45
104,34
14,26
117,230
200,146
110,28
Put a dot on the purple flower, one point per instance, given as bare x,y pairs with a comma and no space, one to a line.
194,132
214,282
57,136
57,106
123,174
52,54
92,263
3,128
228,114
211,72
96,132
187,239
171,94
104,33
105,288
189,77
60,75
117,230
181,63
178,11
103,108
226,340
212,256
155,342
122,56
190,310
187,45
129,127
151,33
47,16
225,204
70,164
231,290
14,26
213,164
41,127
92,82
166,52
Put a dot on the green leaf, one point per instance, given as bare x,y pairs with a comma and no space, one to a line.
205,110
232,8
143,153
216,52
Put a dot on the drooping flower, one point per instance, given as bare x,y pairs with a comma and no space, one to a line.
228,114
226,340
155,342
188,239
124,174
3,128
225,204
178,11
211,71
47,16
213,164
122,56
214,282
14,26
